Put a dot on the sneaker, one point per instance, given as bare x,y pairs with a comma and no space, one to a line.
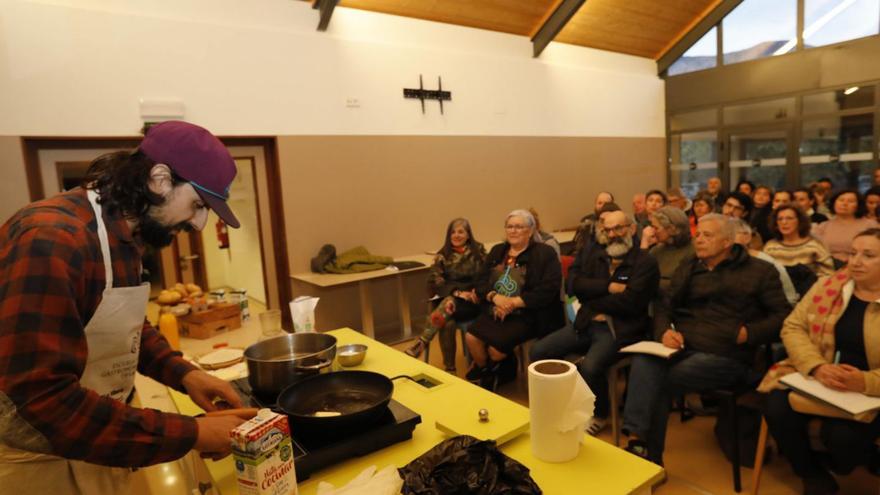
820,484
637,447
507,369
489,380
416,349
596,425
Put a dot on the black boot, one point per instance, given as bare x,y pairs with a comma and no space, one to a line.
489,380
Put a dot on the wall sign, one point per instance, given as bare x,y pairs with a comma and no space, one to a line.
423,94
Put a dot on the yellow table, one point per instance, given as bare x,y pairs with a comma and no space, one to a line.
364,294
599,468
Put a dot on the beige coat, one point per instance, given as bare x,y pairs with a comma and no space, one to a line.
803,348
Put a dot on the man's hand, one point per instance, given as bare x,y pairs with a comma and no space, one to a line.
204,389
649,237
213,438
616,288
673,339
840,377
743,336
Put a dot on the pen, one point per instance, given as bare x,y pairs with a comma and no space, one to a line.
837,357
672,326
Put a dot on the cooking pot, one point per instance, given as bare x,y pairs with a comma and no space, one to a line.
336,401
275,363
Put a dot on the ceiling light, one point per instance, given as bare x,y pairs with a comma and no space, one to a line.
849,91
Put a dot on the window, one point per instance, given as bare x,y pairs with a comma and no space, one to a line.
833,21
694,160
758,157
842,99
758,112
702,55
759,28
840,148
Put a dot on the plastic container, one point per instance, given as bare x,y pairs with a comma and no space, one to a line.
169,328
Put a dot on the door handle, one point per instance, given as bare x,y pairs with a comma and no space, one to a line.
190,257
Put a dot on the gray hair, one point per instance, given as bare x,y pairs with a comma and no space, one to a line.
728,227
676,222
740,226
530,221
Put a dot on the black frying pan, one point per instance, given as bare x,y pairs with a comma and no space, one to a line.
360,396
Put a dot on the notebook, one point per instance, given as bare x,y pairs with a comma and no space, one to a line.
650,347
852,402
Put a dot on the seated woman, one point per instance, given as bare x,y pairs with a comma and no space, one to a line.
671,241
520,287
849,219
840,347
872,201
452,280
703,204
794,248
762,199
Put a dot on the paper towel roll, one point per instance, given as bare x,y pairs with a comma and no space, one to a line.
560,404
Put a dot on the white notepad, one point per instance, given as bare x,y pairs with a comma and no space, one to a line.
650,347
851,402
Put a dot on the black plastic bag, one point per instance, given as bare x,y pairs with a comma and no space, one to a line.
465,465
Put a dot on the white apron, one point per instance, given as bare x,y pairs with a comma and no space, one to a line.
113,335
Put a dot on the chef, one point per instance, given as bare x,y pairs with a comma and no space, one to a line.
72,320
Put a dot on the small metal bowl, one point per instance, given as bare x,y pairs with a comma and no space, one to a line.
351,354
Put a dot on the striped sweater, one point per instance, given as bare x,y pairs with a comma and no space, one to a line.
810,253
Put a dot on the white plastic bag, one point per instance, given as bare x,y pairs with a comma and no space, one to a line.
302,312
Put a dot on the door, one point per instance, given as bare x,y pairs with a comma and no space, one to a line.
693,160
760,155
189,253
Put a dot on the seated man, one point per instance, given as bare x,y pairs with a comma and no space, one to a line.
722,303
615,284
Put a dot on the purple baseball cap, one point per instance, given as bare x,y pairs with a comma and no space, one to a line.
199,157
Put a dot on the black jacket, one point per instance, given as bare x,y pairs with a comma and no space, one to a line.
709,307
628,310
540,292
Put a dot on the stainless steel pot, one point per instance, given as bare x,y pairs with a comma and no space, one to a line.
274,364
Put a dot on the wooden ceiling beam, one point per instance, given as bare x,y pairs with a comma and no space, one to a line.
709,20
559,16
325,8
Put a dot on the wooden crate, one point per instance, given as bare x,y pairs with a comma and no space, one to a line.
214,321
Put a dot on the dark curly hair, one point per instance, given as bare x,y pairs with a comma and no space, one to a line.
861,209
802,219
122,180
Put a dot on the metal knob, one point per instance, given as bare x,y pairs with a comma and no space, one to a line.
484,415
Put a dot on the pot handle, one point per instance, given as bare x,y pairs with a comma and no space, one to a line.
324,363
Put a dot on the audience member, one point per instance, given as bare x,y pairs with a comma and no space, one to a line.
654,200
639,208
452,285
587,234
838,348
703,204
872,201
792,245
677,198
615,285
849,219
745,186
597,239
805,200
546,237
587,224
670,227
762,207
713,187
877,176
722,304
826,184
520,287
780,198
737,205
820,192
743,237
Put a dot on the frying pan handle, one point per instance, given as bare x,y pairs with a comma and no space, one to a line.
404,376
324,363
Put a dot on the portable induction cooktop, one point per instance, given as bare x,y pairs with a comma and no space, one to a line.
315,450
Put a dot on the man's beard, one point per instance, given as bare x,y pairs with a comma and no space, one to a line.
618,247
158,235
601,238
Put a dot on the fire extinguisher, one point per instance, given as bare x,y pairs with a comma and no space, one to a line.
222,235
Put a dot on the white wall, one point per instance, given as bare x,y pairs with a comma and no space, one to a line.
79,67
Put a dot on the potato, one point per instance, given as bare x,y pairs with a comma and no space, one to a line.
169,297
193,288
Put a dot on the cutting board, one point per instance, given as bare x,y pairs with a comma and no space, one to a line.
507,420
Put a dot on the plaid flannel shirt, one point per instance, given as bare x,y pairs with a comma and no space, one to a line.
51,281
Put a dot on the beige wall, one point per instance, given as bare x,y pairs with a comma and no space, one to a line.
395,194
13,188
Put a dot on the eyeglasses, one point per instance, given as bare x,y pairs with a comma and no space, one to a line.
617,229
516,227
